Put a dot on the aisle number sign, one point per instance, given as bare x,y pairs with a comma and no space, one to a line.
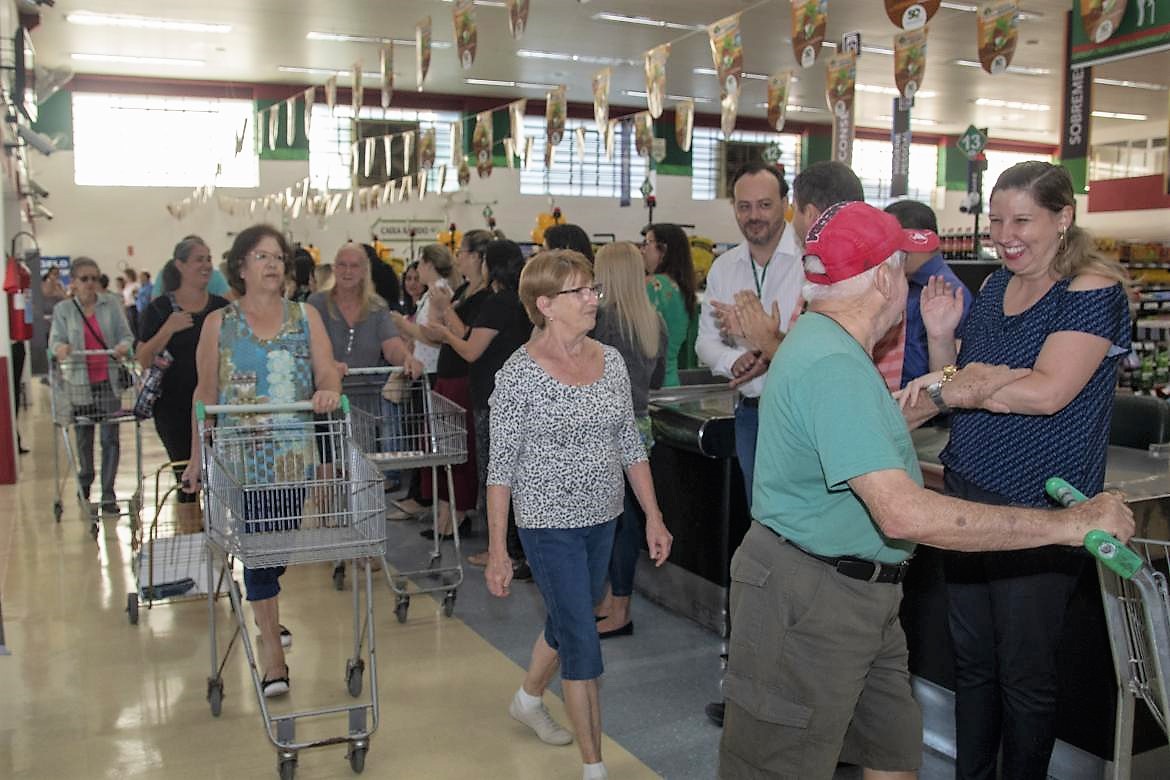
972,142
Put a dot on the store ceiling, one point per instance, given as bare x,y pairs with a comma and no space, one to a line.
267,34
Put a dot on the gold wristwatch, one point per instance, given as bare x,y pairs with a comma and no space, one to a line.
934,389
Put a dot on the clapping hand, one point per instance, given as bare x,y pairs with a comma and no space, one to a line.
727,319
759,328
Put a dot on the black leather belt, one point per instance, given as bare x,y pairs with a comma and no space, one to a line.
749,401
860,568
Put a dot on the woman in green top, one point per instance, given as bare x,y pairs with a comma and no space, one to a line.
670,283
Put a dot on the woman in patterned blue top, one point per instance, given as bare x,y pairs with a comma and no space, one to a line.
263,349
1058,308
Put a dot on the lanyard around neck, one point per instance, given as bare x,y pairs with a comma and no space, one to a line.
759,277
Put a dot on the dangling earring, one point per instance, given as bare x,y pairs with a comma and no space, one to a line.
1064,240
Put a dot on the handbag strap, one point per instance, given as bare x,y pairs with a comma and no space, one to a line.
85,321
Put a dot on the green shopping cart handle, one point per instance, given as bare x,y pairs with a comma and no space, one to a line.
303,406
1105,547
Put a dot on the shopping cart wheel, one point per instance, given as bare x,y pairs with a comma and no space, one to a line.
401,608
353,679
58,510
132,608
288,768
215,696
357,759
449,603
339,577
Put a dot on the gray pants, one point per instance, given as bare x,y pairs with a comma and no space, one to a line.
111,449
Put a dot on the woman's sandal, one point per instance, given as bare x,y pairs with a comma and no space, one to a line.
277,686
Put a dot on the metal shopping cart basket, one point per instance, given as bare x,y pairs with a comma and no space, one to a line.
403,425
170,556
83,406
1136,599
282,489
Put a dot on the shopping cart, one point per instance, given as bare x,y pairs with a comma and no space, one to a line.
170,557
282,489
415,428
1136,599
81,406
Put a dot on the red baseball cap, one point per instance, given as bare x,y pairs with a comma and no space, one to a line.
852,237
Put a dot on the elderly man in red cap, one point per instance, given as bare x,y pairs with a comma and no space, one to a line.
817,671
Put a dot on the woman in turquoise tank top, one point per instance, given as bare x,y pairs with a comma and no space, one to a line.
264,349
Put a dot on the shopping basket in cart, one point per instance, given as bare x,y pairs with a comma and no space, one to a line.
1136,599
86,407
170,556
414,428
282,489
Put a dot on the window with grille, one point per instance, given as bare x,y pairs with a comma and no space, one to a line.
331,136
715,160
594,175
155,141
873,164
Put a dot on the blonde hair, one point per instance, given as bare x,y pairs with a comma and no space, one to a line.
545,275
621,273
369,300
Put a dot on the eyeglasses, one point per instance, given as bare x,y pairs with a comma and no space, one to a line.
585,292
264,257
86,278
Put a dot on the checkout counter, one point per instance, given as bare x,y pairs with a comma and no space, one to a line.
700,491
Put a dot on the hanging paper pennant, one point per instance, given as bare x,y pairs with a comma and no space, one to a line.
463,14
516,111
386,60
426,149
456,143
350,201
464,174
684,124
643,133
1101,19
387,148
481,144
610,133
353,159
407,187
910,61
290,123
727,53
242,135
550,156
579,134
422,51
517,17
407,151
778,84
841,82
357,90
601,99
384,196
655,67
999,28
331,92
554,116
368,161
442,183
310,97
273,125
809,19
911,14
528,145
510,152
421,183
305,188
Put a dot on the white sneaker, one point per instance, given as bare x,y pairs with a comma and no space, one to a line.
595,772
538,719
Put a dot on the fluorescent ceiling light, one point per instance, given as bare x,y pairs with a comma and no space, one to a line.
798,109
316,35
1019,70
1132,84
326,71
517,84
1115,115
891,91
971,8
637,94
588,59
488,3
1012,104
127,58
745,74
913,120
606,16
864,49
91,19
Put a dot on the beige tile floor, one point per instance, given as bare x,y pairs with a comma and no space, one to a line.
86,695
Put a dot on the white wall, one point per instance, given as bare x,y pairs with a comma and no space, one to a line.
103,221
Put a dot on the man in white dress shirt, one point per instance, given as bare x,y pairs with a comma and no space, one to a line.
768,265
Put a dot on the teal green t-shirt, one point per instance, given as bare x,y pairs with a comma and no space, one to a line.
826,417
668,300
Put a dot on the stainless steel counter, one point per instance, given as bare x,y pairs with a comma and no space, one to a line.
698,418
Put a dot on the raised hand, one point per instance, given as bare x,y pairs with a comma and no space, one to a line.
942,307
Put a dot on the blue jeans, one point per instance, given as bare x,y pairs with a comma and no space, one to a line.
747,427
627,546
269,511
570,566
